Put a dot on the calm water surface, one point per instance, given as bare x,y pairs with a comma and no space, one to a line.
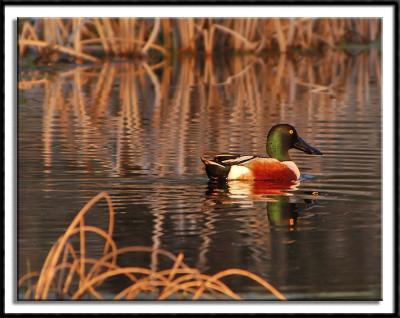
138,130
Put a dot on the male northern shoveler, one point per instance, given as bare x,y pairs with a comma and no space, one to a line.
278,166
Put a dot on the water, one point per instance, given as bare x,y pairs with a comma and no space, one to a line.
137,131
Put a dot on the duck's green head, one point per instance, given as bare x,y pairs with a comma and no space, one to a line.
283,137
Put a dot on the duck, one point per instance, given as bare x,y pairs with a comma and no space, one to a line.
277,167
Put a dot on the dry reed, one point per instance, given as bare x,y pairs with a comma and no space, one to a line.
87,39
69,273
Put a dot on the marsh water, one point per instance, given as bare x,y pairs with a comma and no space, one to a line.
137,129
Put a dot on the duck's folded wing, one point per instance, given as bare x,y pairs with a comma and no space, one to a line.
237,160
226,156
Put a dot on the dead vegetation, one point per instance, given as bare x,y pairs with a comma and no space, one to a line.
90,39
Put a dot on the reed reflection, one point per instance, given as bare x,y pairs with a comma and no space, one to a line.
127,116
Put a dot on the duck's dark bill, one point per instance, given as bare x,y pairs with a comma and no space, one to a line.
300,144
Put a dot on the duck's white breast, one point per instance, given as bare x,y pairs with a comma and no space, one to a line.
292,166
240,173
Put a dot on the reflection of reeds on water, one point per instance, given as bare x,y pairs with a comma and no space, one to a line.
147,110
86,38
71,272
140,120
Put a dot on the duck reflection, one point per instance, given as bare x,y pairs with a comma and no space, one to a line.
282,207
245,192
264,219
284,213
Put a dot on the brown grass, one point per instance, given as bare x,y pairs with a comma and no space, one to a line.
86,39
69,273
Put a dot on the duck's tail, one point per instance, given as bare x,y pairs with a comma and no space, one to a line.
215,170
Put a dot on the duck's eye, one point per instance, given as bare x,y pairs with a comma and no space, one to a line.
291,131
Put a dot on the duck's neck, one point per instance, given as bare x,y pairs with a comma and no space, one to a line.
276,150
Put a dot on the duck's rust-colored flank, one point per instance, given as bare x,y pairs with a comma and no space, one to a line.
271,170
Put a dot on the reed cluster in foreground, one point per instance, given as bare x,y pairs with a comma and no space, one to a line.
69,272
89,39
